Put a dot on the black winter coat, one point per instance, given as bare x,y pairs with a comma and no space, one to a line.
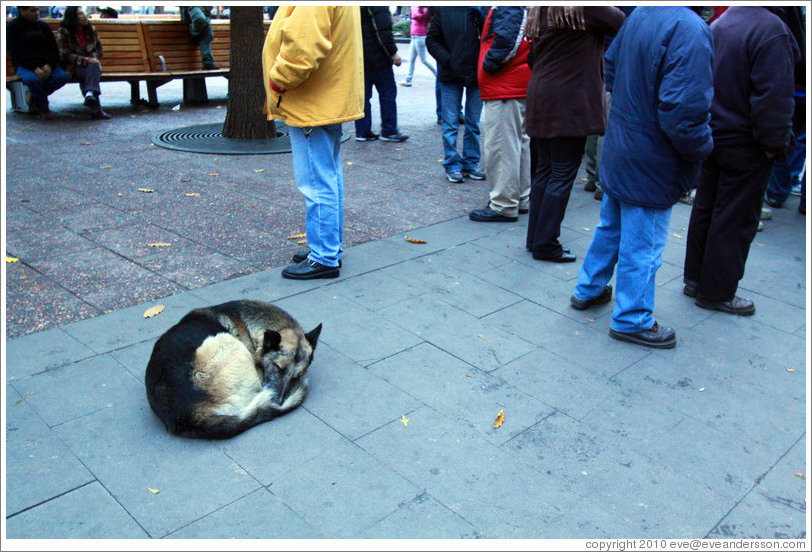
453,40
379,42
31,45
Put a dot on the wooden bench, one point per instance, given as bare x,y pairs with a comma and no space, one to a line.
155,51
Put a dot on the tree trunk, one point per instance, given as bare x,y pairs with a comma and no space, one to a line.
246,92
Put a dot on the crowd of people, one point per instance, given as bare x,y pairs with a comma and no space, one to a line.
661,100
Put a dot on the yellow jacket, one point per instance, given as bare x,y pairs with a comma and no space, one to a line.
316,55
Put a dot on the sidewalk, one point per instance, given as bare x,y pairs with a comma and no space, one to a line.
422,345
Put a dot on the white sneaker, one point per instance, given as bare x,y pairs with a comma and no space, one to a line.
766,213
760,226
405,83
796,190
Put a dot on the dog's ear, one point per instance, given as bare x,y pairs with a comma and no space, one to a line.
313,336
271,341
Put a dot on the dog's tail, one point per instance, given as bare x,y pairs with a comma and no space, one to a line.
222,426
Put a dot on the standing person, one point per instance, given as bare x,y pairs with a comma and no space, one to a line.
453,41
565,104
313,71
751,117
659,71
503,75
417,47
81,50
380,52
199,18
35,56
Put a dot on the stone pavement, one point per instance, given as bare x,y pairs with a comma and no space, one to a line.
423,345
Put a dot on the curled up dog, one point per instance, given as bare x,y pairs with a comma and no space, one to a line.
226,368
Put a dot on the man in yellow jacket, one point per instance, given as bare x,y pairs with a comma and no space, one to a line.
313,70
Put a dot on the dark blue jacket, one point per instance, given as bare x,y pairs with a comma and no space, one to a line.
753,78
453,40
658,69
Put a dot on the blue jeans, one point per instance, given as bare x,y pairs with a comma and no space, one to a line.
787,172
384,82
320,178
633,238
451,103
40,90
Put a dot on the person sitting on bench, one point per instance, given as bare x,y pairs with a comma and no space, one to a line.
200,27
35,56
80,50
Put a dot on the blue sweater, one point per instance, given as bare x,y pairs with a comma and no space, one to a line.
659,71
753,77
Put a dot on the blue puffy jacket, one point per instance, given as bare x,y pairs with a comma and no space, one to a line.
659,69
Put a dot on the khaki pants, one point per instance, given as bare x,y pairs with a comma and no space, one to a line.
506,155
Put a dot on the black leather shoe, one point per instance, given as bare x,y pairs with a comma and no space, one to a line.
300,256
564,257
523,211
737,305
489,215
309,270
564,249
656,337
100,114
689,289
604,297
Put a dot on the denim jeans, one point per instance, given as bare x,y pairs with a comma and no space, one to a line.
40,90
418,48
384,82
451,103
319,176
633,238
88,78
787,172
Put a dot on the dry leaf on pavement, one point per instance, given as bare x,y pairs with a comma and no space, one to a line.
414,240
500,418
12,259
146,190
296,236
404,420
152,311
153,491
158,244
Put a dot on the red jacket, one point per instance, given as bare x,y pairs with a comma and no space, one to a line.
502,70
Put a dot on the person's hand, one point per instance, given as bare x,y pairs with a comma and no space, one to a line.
93,60
566,17
396,59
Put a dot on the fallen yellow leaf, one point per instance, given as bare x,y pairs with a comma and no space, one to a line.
591,319
587,229
259,170
468,376
404,420
212,174
24,397
85,143
296,236
159,244
480,336
146,190
677,236
302,242
413,240
399,149
12,259
799,474
183,180
106,167
350,162
790,369
152,311
153,491
500,418
192,194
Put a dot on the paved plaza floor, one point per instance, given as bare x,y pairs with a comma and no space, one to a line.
423,345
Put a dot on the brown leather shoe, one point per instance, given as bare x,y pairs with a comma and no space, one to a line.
737,305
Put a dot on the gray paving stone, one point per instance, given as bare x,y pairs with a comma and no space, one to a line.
758,517
500,495
257,516
351,399
135,357
467,292
558,383
468,396
444,234
130,452
764,271
42,351
475,341
38,464
366,290
471,259
272,450
374,255
261,286
344,492
79,389
348,327
785,483
128,326
88,512
655,499
585,343
422,518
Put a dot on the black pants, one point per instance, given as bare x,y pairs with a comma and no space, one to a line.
556,165
724,220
